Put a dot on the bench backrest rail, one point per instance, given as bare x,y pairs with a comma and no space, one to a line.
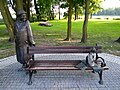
63,49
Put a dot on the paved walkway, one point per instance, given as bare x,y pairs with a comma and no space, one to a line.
12,79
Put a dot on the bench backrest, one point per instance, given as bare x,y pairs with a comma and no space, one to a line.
62,49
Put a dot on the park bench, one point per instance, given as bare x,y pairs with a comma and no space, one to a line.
34,65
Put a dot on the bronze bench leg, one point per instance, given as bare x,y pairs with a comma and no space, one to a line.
34,71
30,77
100,76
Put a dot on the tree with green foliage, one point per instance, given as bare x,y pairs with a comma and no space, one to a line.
58,2
45,9
37,9
95,6
70,7
26,7
85,24
109,11
77,6
91,6
71,4
8,20
77,10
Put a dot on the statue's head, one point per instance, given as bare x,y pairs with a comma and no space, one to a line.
93,50
22,15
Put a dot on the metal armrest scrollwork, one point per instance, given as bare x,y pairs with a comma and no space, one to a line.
100,61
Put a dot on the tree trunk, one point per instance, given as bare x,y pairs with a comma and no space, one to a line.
85,24
9,22
118,40
19,4
52,13
37,10
68,38
26,7
91,16
59,10
76,12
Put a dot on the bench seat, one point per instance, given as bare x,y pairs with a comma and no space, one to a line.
34,65
56,65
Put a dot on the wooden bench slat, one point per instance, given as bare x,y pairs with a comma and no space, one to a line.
53,68
55,63
61,68
48,52
66,47
56,68
38,51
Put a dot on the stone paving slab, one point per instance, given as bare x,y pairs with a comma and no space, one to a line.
12,79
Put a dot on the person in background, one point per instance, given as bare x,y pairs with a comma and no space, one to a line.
23,37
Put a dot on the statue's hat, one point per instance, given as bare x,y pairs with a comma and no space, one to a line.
20,12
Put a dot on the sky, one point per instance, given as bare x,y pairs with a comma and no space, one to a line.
111,4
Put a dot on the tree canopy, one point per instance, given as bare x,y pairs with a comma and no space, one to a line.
44,10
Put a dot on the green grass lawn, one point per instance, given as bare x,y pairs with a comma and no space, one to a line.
102,32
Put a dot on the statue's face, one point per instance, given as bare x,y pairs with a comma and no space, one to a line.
23,17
